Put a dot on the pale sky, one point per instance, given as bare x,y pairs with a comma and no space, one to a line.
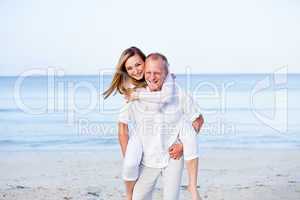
85,36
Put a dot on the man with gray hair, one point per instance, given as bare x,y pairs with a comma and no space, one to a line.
157,127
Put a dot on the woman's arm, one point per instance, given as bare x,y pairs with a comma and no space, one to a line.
123,136
163,96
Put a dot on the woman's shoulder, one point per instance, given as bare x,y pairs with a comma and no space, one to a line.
129,85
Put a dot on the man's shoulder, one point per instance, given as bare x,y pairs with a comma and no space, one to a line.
182,93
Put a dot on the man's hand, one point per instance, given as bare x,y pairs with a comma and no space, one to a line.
176,151
197,124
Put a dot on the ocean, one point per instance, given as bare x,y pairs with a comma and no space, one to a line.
68,113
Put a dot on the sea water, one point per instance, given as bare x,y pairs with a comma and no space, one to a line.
69,112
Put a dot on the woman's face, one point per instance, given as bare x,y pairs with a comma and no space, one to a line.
135,67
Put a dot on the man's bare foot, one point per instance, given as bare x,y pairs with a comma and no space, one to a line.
194,192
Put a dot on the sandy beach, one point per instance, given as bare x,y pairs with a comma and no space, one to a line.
268,174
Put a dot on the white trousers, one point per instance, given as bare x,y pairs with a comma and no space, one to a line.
134,151
189,139
144,187
132,159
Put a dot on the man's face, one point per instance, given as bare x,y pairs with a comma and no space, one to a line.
155,74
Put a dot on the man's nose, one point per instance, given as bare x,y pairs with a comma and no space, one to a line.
152,76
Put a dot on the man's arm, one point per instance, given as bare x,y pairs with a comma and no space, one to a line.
192,111
123,136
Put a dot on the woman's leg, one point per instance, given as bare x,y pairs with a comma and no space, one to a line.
129,189
192,168
189,140
131,164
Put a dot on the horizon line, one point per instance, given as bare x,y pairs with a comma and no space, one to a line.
218,73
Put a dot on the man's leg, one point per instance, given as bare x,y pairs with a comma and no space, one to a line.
144,186
172,179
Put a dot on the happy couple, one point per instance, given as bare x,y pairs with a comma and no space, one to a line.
165,122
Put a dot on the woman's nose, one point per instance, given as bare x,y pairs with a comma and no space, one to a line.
134,71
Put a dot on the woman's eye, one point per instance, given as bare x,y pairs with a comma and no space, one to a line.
137,64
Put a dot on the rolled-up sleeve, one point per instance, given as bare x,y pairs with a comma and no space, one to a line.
124,115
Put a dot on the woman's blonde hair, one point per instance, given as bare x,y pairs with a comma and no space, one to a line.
121,78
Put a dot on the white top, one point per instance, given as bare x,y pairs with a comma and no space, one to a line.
166,95
158,127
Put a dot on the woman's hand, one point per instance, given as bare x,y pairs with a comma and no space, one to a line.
176,151
197,124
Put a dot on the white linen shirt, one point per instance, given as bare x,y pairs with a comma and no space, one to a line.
156,127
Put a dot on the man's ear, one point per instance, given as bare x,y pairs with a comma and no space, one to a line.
166,75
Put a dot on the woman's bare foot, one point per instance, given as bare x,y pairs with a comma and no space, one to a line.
129,197
194,192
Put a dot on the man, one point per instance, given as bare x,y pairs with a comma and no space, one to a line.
158,129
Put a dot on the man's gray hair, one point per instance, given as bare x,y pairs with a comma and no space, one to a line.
157,56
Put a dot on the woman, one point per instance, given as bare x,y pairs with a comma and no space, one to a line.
128,77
